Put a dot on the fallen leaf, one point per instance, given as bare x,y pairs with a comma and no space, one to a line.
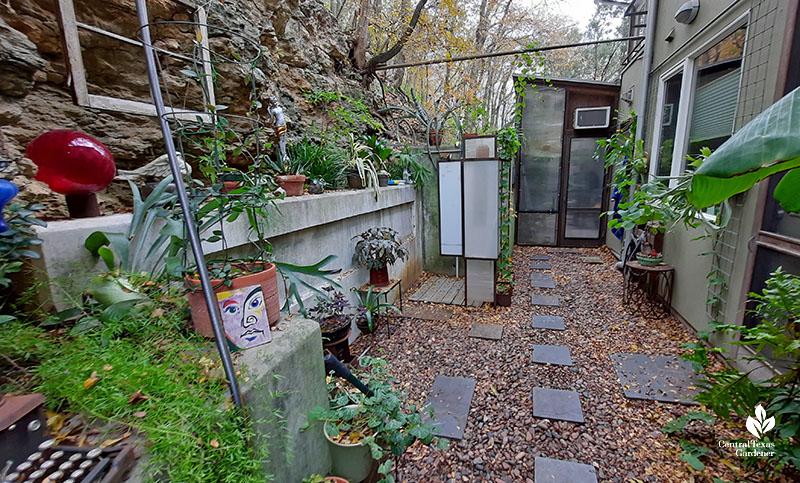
91,381
55,422
112,442
157,313
139,414
214,443
138,397
108,367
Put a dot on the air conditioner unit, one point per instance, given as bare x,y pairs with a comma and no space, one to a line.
592,117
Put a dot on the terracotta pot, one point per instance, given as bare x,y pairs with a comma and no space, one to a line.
354,181
337,343
267,278
292,184
435,137
363,326
379,277
336,479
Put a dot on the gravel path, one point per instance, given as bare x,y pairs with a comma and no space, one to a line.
621,437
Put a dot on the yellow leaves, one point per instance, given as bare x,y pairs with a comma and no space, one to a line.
55,421
91,381
111,442
214,443
157,313
107,367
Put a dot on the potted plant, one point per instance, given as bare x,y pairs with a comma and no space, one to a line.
377,248
363,431
360,168
504,288
288,173
229,274
369,308
652,234
333,315
383,178
324,479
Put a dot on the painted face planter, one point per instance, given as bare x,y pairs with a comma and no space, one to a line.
244,316
74,164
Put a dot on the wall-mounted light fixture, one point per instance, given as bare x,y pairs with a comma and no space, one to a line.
688,12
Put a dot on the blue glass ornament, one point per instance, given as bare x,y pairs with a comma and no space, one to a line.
8,190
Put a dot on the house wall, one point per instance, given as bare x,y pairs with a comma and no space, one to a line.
303,230
766,24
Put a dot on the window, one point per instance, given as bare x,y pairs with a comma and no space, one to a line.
95,86
697,102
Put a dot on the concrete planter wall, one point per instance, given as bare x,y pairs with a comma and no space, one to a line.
303,230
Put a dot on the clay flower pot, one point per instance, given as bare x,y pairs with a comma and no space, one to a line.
503,299
292,184
267,278
435,137
379,277
354,181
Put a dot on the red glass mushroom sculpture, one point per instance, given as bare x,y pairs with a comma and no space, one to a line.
74,164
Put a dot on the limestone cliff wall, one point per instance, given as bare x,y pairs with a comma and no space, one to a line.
304,50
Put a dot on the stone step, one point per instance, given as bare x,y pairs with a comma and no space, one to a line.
450,398
542,258
486,331
552,322
540,266
549,470
546,300
552,354
542,280
557,404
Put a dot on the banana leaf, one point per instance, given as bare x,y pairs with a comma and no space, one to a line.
767,145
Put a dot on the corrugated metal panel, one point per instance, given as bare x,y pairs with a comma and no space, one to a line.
715,108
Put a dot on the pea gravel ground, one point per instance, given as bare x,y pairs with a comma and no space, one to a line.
621,437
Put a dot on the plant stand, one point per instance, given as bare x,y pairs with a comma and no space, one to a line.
384,292
649,289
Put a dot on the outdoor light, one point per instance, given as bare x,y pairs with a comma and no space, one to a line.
688,12
8,190
74,164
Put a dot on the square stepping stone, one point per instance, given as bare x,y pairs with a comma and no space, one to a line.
427,312
541,258
656,378
486,331
564,250
557,404
540,266
593,260
450,398
546,300
542,280
548,470
552,354
552,322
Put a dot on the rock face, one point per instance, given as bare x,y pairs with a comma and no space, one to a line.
303,50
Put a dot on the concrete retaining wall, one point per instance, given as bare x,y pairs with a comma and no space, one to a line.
303,230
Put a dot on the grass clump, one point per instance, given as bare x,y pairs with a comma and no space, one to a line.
145,372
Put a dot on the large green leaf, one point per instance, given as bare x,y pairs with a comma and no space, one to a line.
767,145
292,274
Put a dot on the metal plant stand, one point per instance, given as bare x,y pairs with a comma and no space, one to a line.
384,292
649,289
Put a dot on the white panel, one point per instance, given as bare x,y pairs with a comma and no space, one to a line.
481,209
450,228
480,281
480,148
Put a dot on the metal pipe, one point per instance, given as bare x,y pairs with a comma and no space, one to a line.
506,52
194,237
647,60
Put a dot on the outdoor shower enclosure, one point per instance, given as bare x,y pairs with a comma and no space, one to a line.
562,188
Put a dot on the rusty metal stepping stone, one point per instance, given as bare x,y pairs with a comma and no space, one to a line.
450,398
557,404
592,260
552,322
546,300
540,266
656,378
427,312
540,258
542,280
486,331
549,470
564,250
552,354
